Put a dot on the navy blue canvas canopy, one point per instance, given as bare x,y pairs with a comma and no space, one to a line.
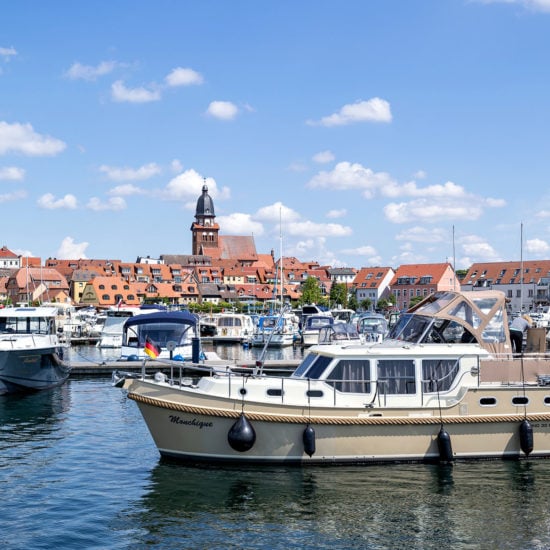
182,317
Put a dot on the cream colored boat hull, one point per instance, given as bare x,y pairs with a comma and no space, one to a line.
196,428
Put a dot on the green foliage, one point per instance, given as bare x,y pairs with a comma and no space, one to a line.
339,294
311,292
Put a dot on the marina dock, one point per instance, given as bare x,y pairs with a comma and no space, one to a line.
106,368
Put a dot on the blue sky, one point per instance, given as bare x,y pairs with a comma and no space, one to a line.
376,130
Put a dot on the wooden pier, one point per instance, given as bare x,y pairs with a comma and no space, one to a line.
106,368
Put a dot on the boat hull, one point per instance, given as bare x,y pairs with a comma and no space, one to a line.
197,430
32,369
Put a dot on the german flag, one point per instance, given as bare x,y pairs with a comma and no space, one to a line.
151,349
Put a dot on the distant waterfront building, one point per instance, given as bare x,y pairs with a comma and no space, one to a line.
524,290
421,280
372,283
9,259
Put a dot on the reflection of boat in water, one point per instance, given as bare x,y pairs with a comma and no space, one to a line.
348,507
31,354
401,399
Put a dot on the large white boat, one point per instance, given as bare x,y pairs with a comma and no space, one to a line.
110,336
31,354
276,331
444,385
313,324
233,327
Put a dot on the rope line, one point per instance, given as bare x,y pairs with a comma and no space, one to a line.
339,421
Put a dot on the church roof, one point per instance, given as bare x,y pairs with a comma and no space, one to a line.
205,204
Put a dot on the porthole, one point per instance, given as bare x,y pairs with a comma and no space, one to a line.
520,400
314,393
242,391
488,401
274,392
547,400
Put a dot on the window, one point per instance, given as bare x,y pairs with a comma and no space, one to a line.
438,374
351,375
105,297
101,287
396,376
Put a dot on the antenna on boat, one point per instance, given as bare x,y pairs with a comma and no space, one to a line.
454,260
521,271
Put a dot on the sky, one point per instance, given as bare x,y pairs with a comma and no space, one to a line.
357,133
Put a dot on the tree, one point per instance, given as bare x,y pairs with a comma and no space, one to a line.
366,304
311,292
339,294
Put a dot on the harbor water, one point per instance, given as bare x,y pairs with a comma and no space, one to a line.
78,469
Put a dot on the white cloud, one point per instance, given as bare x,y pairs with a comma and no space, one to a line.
12,173
366,250
276,212
89,72
427,210
537,247
543,214
183,77
420,175
121,94
49,202
333,214
297,167
346,175
476,249
70,250
187,186
317,229
323,157
223,110
423,235
126,190
6,53
176,166
373,110
21,138
533,5
114,203
15,196
131,174
240,224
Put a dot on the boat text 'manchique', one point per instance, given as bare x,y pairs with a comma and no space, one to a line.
443,385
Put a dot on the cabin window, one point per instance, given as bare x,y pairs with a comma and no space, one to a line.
488,401
274,392
438,374
520,400
314,393
396,376
351,375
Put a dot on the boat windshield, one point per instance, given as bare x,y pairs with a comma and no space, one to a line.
312,366
410,328
160,333
26,325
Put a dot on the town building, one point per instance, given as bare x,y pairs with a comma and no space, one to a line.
373,284
421,280
526,284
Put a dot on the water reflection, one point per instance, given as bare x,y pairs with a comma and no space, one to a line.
470,505
31,416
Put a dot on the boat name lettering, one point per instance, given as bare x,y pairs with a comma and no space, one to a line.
194,422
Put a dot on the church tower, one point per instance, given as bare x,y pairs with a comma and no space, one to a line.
204,229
